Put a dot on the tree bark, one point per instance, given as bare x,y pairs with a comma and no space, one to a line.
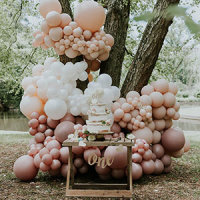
149,48
116,24
63,58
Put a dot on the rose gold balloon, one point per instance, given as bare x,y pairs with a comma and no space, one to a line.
110,40
118,173
24,168
167,169
157,99
102,171
115,128
90,151
147,155
47,6
148,89
159,113
56,33
37,160
136,158
79,162
156,137
159,167
187,146
63,130
159,124
177,154
145,100
47,159
173,139
89,16
168,123
148,166
145,134
173,88
158,150
169,100
104,56
151,126
132,94
161,85
77,150
39,137
55,153
65,20
84,169
136,171
53,144
166,159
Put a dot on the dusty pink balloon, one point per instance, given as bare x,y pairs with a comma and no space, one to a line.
52,123
56,33
68,117
55,153
54,172
90,151
173,88
132,94
127,117
159,113
49,132
47,159
177,154
53,18
115,128
65,20
24,168
119,113
151,126
39,137
156,137
77,150
42,128
159,124
63,130
32,131
176,116
169,100
33,123
136,158
64,154
148,166
153,156
42,119
187,146
161,85
79,162
173,139
119,157
147,155
64,170
144,133
145,100
168,123
118,173
56,164
157,99
37,160
45,27
136,171
148,89
71,53
159,167
35,115
47,6
176,106
126,107
84,169
43,151
122,124
166,159
53,144
158,150
167,169
102,171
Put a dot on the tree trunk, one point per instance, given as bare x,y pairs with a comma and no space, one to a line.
116,24
149,48
64,59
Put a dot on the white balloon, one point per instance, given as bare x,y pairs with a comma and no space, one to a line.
105,80
68,87
42,84
84,65
107,97
63,94
48,62
83,76
88,91
116,92
84,110
52,81
52,93
57,67
76,91
31,90
35,79
27,81
48,73
75,111
78,67
55,108
111,116
42,94
69,70
37,70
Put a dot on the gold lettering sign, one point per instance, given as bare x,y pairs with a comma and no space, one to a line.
100,161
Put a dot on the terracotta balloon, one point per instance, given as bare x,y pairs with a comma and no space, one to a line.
148,89
79,162
167,169
102,171
156,137
89,16
159,167
161,85
173,139
187,146
157,99
84,169
173,88
90,151
118,173
77,150
159,124
24,168
119,156
47,6
63,130
169,100
166,159
159,113
136,171
95,65
148,166
144,133
39,137
158,150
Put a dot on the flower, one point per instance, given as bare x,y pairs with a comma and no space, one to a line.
91,137
130,136
108,122
70,136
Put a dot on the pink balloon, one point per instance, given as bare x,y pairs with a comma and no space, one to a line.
42,128
68,117
136,171
63,130
84,169
187,146
49,132
115,128
65,20
34,115
53,144
166,159
43,152
158,150
147,155
105,177
79,162
42,119
39,137
118,173
159,113
169,100
64,170
55,153
47,159
33,123
47,6
44,167
54,172
145,134
32,131
102,171
148,166
157,99
56,33
156,137
64,154
173,88
115,106
148,89
52,123
79,120
37,160
159,124
77,150
161,85
24,168
136,158
90,151
71,53
45,27
159,167
110,40
145,100
167,169
55,165
53,18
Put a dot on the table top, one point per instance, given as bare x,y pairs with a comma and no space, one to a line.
110,142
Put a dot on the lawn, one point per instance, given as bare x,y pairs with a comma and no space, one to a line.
182,183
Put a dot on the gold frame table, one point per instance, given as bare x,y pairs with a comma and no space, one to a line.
115,190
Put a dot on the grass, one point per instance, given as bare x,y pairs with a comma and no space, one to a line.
182,183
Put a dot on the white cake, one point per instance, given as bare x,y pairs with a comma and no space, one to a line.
98,119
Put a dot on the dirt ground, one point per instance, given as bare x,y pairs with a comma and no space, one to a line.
183,183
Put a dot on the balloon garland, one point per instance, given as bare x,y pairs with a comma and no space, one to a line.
56,108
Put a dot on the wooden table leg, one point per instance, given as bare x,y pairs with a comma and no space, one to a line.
71,168
129,168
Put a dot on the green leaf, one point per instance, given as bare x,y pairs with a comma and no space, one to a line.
144,17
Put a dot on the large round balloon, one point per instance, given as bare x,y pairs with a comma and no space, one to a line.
89,15
145,134
24,168
173,139
63,130
136,171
